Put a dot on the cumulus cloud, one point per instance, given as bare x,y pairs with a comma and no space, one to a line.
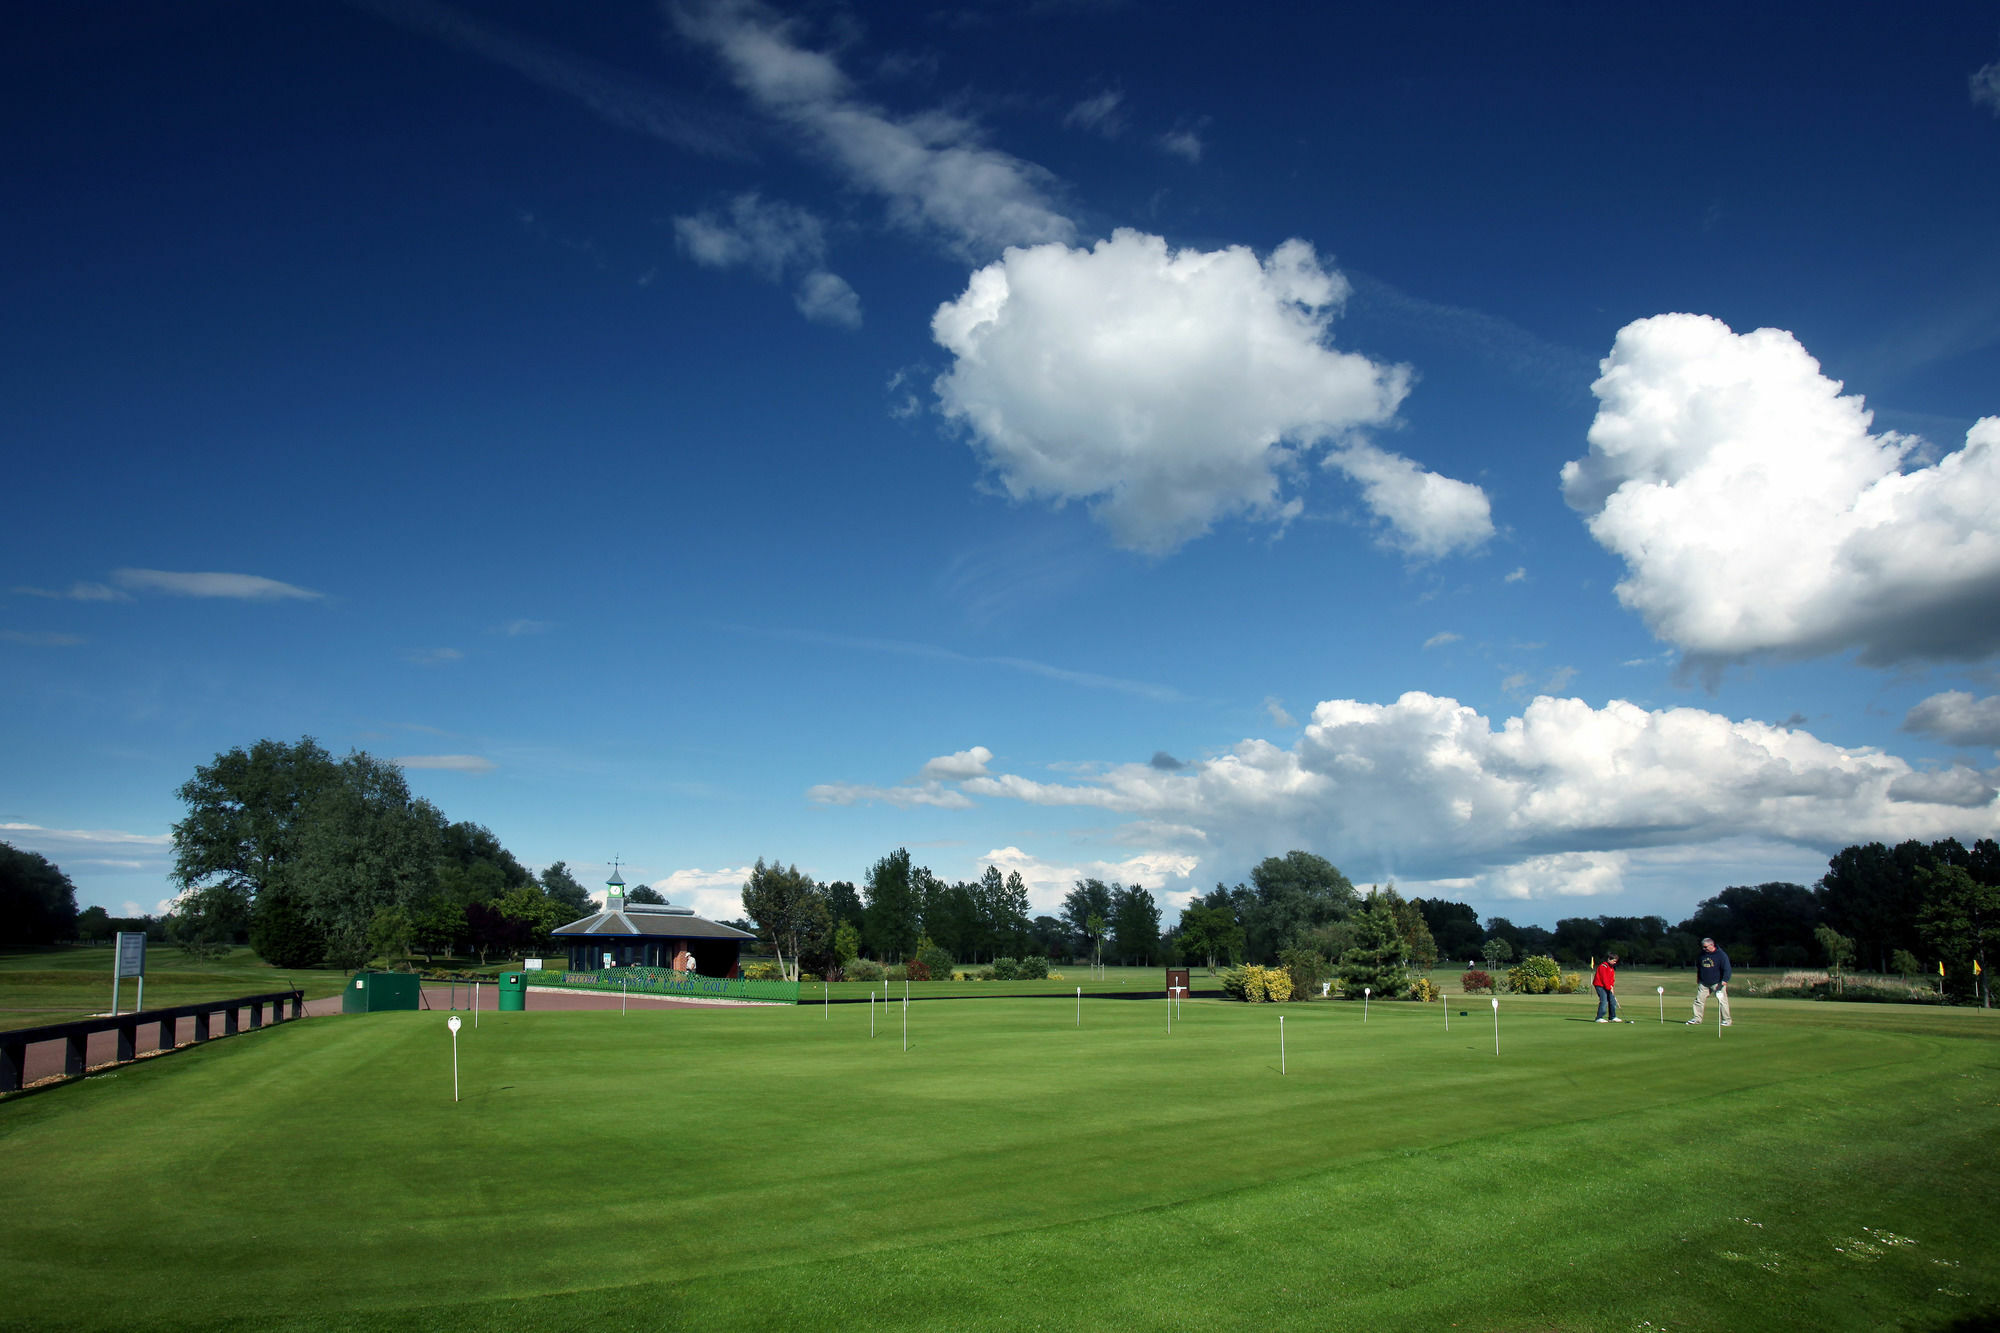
450,763
1428,788
1182,143
774,240
1165,762
958,765
1426,515
1279,714
1441,638
1171,389
1164,872
930,169
1957,718
237,587
1757,514
714,894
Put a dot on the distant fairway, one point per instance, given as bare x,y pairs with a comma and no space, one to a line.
1819,1166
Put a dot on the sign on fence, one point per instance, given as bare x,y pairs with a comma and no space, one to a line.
131,955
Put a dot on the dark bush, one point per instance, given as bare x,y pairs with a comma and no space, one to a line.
1476,980
1035,967
917,970
1006,969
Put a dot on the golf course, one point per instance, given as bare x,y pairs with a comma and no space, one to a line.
1026,1163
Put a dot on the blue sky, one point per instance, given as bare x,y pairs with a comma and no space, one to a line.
1547,458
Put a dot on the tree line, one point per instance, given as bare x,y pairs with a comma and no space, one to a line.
311,859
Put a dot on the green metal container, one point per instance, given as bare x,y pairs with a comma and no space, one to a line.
374,992
513,992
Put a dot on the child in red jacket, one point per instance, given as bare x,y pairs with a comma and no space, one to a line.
1606,980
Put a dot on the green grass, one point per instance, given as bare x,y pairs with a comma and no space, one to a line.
775,1168
74,981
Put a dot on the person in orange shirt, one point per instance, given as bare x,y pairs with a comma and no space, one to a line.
1606,981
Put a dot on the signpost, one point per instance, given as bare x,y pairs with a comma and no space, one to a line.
131,955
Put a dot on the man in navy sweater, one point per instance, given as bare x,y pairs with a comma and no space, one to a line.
1711,977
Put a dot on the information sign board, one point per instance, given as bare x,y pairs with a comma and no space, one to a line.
131,953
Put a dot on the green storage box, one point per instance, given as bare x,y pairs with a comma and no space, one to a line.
373,992
513,992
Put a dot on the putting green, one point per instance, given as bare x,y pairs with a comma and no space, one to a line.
1816,1166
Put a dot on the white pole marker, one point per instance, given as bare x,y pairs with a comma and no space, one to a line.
1663,1004
1365,992
1496,1025
1281,1043
452,1023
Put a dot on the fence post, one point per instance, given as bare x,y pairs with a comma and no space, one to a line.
73,1054
128,1042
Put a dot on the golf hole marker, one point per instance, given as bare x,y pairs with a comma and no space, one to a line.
1663,1003
1366,991
1496,1025
1281,1043
452,1023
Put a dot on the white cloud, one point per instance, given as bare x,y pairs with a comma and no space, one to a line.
1519,574
1165,873
1756,513
825,298
1957,718
773,239
1182,143
451,763
714,894
1427,515
1441,638
1280,716
238,587
1558,875
1985,84
1428,788
1168,389
79,591
854,793
959,765
38,837
1100,113
436,656
929,168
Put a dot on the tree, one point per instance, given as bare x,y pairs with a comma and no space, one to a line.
245,813
562,887
93,924
1135,925
1455,927
280,931
37,900
1294,894
1960,921
205,922
891,925
1375,959
642,893
363,845
1210,933
1496,952
437,927
787,906
389,932
531,915
1089,900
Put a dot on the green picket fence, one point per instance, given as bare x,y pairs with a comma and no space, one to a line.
659,981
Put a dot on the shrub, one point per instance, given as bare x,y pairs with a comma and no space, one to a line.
809,976
1035,967
763,972
1307,968
1055,976
1277,985
1235,983
1539,975
917,970
984,974
896,973
864,969
1476,980
937,960
1569,983
1905,963
1006,969
1257,985
1422,990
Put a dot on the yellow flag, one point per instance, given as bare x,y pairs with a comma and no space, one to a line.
1975,967
1940,968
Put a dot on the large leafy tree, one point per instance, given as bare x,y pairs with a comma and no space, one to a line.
1455,927
1210,933
246,813
364,846
1960,924
789,910
563,887
892,920
1294,895
37,900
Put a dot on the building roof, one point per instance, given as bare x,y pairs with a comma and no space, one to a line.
652,921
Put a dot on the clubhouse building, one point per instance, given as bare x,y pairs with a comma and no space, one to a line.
628,934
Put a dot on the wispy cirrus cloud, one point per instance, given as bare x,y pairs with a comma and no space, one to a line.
34,834
232,587
450,763
1087,679
435,656
79,591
